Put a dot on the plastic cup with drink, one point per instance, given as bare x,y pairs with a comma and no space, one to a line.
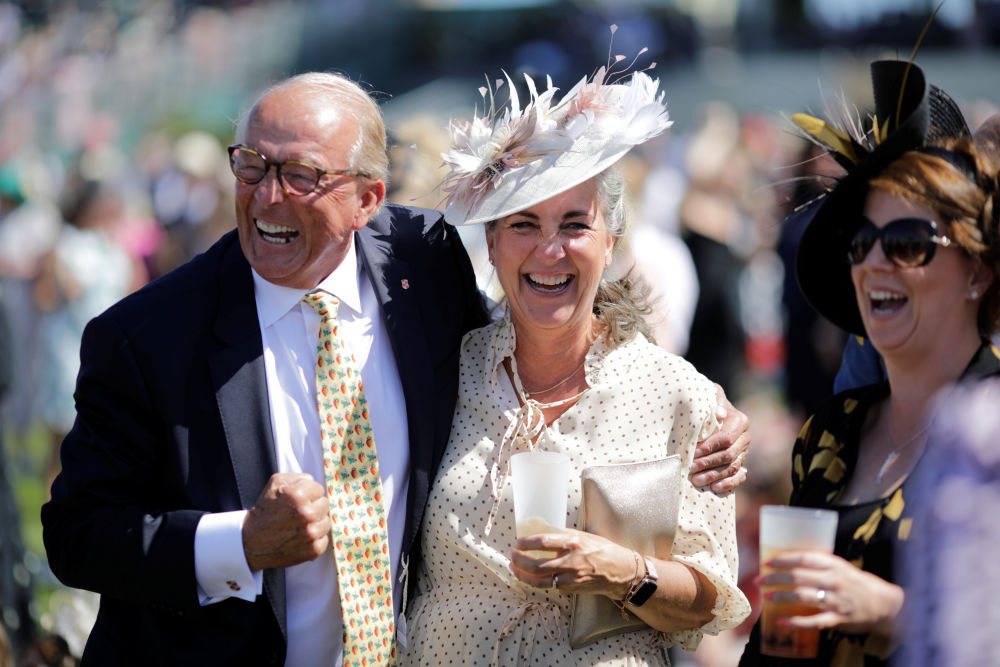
541,488
784,528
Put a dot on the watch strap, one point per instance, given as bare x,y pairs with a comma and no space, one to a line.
644,587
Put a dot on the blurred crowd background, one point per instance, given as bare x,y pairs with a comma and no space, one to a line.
115,114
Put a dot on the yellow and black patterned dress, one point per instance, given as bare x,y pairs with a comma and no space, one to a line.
823,460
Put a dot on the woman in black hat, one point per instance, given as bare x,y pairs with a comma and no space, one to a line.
904,251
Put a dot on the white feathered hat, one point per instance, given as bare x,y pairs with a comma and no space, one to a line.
514,158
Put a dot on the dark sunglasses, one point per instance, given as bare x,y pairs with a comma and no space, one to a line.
295,176
906,242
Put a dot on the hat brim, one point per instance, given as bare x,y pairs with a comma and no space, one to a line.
535,182
821,265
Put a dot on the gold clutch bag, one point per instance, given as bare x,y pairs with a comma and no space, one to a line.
634,505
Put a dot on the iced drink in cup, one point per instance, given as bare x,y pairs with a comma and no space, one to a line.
541,487
785,528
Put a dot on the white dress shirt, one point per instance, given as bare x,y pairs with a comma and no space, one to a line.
289,330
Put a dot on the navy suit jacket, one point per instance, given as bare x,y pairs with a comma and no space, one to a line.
173,422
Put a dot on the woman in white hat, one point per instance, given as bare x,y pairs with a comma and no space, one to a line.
568,369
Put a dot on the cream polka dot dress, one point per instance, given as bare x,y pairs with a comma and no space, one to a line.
643,404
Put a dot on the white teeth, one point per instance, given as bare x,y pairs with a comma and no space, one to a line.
271,232
545,280
884,296
272,229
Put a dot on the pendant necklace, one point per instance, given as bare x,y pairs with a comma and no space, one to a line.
896,449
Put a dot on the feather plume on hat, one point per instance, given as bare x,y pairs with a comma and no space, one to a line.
508,160
909,114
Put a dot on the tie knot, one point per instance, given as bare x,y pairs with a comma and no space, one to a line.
323,303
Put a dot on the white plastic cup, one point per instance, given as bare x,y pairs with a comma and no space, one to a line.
541,489
784,528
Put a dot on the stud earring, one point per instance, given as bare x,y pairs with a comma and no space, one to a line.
974,294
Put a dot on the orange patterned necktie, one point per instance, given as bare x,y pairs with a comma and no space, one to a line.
354,487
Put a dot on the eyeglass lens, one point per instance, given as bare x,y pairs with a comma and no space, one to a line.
907,242
296,178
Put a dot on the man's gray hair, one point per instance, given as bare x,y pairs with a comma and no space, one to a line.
369,152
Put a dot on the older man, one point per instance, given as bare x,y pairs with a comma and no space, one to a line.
231,384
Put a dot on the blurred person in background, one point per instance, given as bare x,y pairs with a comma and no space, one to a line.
189,195
30,222
654,250
416,145
812,343
915,217
85,272
712,225
759,149
17,626
950,570
48,650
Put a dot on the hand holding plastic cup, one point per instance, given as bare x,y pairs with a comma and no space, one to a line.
541,488
785,528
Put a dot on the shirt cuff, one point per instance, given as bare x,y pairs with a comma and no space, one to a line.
220,566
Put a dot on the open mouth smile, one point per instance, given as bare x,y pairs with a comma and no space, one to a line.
549,284
275,233
886,303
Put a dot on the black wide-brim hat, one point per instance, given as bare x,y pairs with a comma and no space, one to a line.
910,114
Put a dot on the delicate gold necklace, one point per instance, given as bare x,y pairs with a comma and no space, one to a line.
896,449
561,402
557,384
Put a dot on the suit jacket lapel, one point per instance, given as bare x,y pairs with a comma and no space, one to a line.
240,385
390,277
237,369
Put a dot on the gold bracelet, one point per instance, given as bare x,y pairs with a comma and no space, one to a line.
633,587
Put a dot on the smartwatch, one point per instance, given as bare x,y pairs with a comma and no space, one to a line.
645,589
